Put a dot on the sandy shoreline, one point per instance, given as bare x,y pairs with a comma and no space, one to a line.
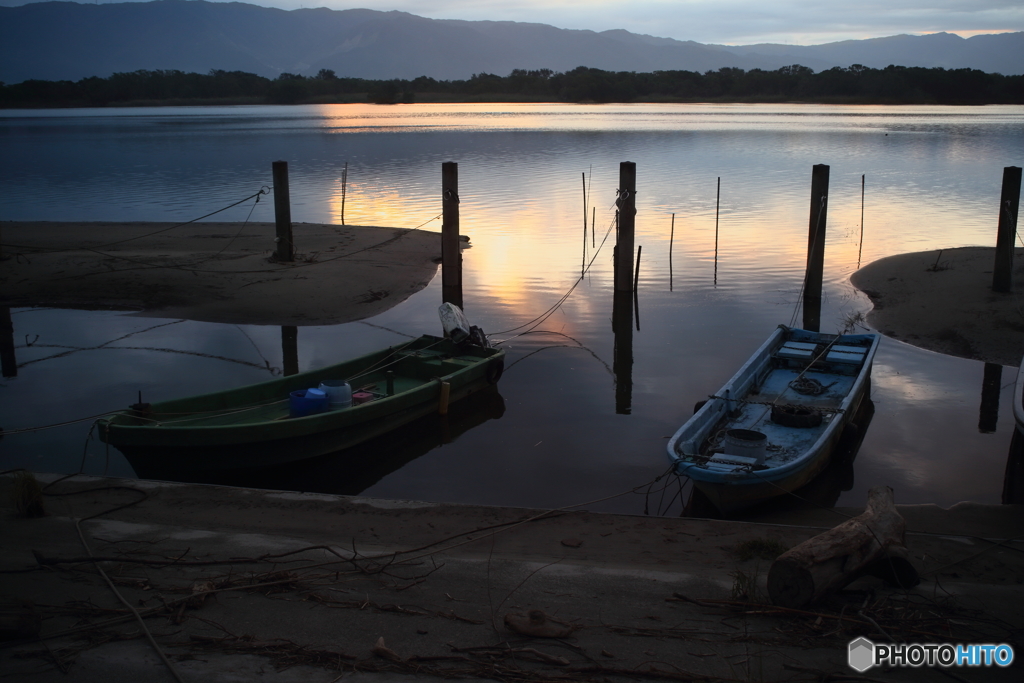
243,584
943,301
216,272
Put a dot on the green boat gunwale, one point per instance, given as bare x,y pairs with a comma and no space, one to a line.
427,361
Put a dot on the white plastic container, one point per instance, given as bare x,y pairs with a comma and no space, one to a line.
746,443
339,393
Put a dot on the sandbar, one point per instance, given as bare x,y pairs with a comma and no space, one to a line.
942,300
216,272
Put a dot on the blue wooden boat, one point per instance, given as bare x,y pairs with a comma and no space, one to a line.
773,427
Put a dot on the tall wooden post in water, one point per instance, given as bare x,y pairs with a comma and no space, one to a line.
451,255
626,204
1009,203
816,247
283,213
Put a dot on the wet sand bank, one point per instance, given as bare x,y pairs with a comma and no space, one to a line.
943,301
216,272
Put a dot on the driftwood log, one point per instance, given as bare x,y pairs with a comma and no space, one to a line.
871,543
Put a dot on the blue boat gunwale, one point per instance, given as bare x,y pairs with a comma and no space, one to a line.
696,429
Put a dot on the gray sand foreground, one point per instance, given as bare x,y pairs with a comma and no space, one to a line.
216,272
943,301
242,584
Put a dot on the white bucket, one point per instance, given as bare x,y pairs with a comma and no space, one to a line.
339,393
747,443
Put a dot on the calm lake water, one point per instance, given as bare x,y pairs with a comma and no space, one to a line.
553,435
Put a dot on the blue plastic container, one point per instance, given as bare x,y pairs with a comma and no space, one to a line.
307,402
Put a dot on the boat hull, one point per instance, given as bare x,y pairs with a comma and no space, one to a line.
167,438
731,497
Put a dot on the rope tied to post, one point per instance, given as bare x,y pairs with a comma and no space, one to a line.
621,197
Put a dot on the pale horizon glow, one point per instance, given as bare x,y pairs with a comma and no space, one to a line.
721,22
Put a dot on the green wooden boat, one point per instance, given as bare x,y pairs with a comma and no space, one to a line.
252,426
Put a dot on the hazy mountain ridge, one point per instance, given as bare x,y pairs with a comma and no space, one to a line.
996,53
70,41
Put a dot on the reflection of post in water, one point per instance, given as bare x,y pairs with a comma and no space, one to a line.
636,288
990,386
290,349
7,359
1013,479
622,327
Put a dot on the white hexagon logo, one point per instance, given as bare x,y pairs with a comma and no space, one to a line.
862,655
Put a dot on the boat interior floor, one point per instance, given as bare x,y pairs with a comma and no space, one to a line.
786,442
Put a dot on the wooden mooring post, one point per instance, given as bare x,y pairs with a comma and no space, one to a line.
816,247
626,203
671,240
583,268
451,255
1009,203
283,213
718,204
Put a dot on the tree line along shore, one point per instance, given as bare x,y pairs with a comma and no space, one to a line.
856,84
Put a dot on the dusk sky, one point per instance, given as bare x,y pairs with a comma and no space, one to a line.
731,22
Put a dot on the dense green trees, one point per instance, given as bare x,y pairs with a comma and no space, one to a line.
855,84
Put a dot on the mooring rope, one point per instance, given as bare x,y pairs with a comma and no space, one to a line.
262,191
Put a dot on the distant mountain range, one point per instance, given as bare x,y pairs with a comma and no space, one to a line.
70,41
